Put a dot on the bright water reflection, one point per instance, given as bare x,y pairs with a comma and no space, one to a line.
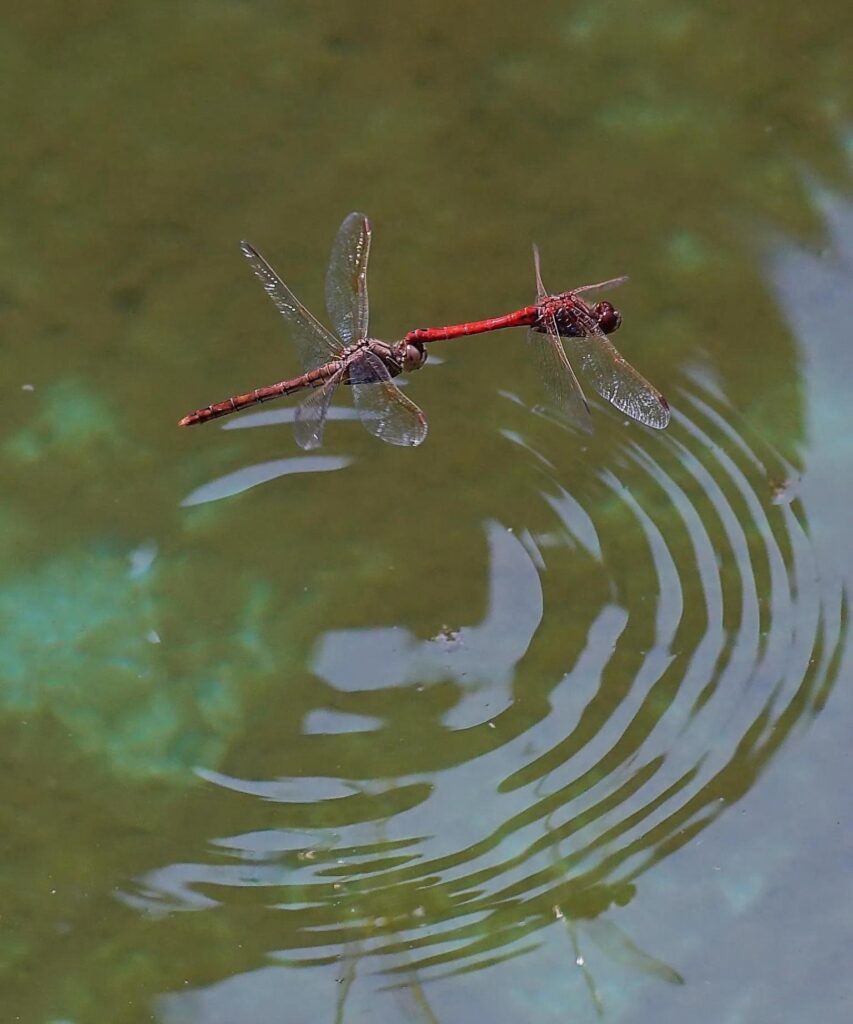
251,476
563,756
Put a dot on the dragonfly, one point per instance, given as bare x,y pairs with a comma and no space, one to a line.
569,315
349,357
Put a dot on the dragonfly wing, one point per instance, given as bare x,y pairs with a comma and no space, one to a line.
383,408
615,379
556,370
540,288
541,294
612,941
316,344
346,279
310,419
559,377
614,282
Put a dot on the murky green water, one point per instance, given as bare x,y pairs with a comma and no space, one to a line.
518,725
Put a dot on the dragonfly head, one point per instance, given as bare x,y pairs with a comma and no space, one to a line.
609,318
412,356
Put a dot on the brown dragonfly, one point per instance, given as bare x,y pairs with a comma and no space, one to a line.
352,358
585,326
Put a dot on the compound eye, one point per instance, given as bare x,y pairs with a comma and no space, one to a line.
609,318
414,358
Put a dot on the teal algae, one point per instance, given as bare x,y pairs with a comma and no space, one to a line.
71,419
84,642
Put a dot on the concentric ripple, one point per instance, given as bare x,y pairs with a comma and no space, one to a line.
650,640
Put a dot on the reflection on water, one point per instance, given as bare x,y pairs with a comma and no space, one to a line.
480,659
250,476
563,756
812,286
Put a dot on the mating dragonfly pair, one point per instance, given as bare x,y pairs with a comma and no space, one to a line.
368,365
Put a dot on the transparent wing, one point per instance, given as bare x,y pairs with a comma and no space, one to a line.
554,366
383,408
540,288
316,344
615,379
346,279
614,282
612,376
310,419
559,377
612,941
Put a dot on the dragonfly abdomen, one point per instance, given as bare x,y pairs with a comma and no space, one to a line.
312,379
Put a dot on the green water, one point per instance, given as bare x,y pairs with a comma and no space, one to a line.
520,724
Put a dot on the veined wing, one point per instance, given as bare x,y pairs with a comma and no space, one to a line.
613,282
316,345
554,366
559,377
612,941
615,379
383,408
540,288
346,279
310,419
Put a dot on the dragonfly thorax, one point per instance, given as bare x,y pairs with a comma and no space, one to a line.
401,358
572,315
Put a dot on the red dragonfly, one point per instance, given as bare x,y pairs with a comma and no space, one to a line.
569,316
353,358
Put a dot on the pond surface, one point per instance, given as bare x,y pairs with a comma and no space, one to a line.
521,724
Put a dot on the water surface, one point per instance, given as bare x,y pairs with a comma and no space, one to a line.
520,724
